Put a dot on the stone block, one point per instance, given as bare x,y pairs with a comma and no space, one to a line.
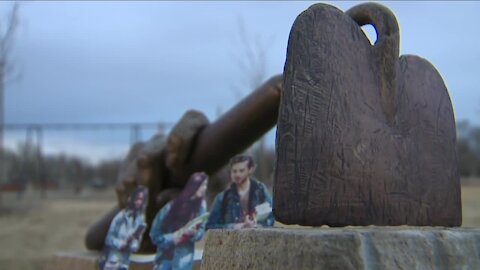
343,248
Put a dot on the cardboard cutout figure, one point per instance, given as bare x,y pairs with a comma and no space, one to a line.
125,233
246,203
179,224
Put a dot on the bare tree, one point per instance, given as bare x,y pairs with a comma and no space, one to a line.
251,59
7,31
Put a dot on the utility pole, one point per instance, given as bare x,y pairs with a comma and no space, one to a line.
2,121
6,40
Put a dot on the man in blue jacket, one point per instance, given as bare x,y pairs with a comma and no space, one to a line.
238,206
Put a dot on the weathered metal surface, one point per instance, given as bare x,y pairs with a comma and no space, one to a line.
363,137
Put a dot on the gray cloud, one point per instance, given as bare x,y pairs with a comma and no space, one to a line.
151,61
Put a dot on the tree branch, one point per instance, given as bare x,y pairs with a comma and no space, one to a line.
12,22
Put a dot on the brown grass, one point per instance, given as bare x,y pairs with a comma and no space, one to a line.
33,229
471,205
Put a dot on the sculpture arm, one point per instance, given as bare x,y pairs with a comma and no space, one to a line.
252,117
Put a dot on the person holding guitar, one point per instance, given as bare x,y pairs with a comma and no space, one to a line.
125,233
179,224
238,206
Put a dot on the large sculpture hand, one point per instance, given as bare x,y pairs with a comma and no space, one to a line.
164,164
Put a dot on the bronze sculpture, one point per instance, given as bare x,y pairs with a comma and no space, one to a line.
364,136
165,165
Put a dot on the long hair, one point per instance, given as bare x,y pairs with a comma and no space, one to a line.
184,208
133,197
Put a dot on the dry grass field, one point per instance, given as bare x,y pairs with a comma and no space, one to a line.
32,229
471,205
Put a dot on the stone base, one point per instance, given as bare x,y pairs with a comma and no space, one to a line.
89,261
343,248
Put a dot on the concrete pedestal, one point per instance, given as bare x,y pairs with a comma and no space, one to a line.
343,248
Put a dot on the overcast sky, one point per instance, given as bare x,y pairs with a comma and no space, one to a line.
151,61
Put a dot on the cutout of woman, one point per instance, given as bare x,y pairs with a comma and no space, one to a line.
179,224
125,232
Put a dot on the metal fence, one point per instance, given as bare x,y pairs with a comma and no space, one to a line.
32,152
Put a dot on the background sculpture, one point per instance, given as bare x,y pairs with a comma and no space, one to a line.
193,145
364,137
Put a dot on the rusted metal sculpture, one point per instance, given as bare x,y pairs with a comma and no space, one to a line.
193,145
364,136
